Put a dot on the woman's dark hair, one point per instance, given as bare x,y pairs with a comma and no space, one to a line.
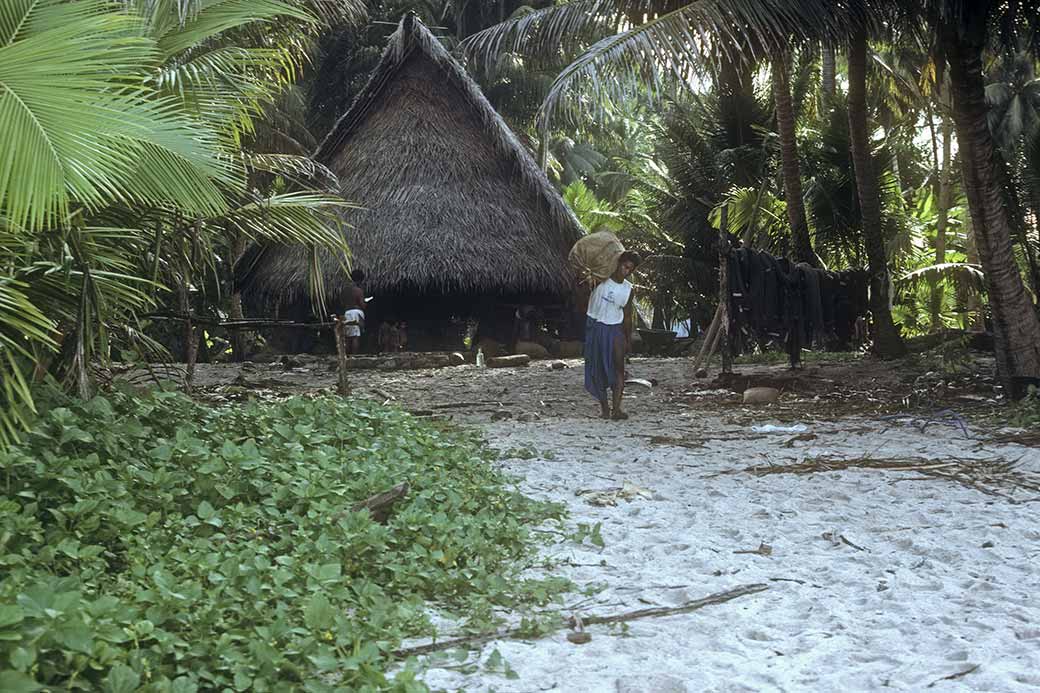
630,256
357,276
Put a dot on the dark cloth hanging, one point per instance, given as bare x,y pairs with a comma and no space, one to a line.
773,300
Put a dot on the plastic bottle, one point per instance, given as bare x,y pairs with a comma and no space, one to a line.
480,357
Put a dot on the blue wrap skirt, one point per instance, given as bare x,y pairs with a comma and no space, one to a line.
600,374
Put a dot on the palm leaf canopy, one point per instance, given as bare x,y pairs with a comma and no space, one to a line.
645,47
73,110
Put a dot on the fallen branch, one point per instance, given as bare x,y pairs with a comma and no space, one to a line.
467,405
482,638
379,505
710,600
985,475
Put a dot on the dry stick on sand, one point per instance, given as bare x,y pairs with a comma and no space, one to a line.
481,638
954,677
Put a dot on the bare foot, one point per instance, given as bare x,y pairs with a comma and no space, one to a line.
604,412
619,415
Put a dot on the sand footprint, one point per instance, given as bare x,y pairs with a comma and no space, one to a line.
757,635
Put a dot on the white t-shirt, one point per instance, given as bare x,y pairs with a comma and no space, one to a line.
608,300
353,315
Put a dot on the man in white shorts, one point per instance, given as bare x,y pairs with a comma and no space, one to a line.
354,321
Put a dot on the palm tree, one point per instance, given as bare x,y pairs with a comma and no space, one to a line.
792,174
887,341
963,28
1013,94
663,45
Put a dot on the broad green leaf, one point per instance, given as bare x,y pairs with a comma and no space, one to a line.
205,511
319,613
122,679
10,615
17,682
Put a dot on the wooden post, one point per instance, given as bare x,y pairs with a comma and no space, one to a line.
189,335
710,340
342,384
724,293
238,337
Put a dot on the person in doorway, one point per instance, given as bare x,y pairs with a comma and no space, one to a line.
608,336
389,336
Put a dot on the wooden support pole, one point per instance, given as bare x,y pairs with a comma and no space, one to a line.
710,340
342,383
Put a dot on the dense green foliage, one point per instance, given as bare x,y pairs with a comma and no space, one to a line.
138,160
151,541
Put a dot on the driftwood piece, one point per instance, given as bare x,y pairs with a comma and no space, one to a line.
572,622
508,361
379,505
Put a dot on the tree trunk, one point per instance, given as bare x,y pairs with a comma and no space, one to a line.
828,74
1015,325
801,246
971,298
887,341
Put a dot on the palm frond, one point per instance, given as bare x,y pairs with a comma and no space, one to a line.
962,274
74,112
302,170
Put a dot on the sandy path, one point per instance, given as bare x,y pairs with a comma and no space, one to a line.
945,581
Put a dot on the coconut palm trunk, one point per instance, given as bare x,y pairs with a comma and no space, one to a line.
801,246
828,73
1015,325
887,341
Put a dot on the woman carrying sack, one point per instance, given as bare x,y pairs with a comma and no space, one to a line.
608,334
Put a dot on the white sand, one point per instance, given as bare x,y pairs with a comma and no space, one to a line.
947,580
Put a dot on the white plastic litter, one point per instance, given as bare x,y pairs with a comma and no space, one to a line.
773,428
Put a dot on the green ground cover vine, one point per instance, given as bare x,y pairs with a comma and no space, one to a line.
152,543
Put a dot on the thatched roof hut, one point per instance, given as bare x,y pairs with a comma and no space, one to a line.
452,205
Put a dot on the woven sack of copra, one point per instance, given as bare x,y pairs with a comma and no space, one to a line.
595,257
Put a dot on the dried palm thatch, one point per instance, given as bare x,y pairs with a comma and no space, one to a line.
450,201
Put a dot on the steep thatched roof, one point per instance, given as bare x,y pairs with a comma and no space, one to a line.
451,201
